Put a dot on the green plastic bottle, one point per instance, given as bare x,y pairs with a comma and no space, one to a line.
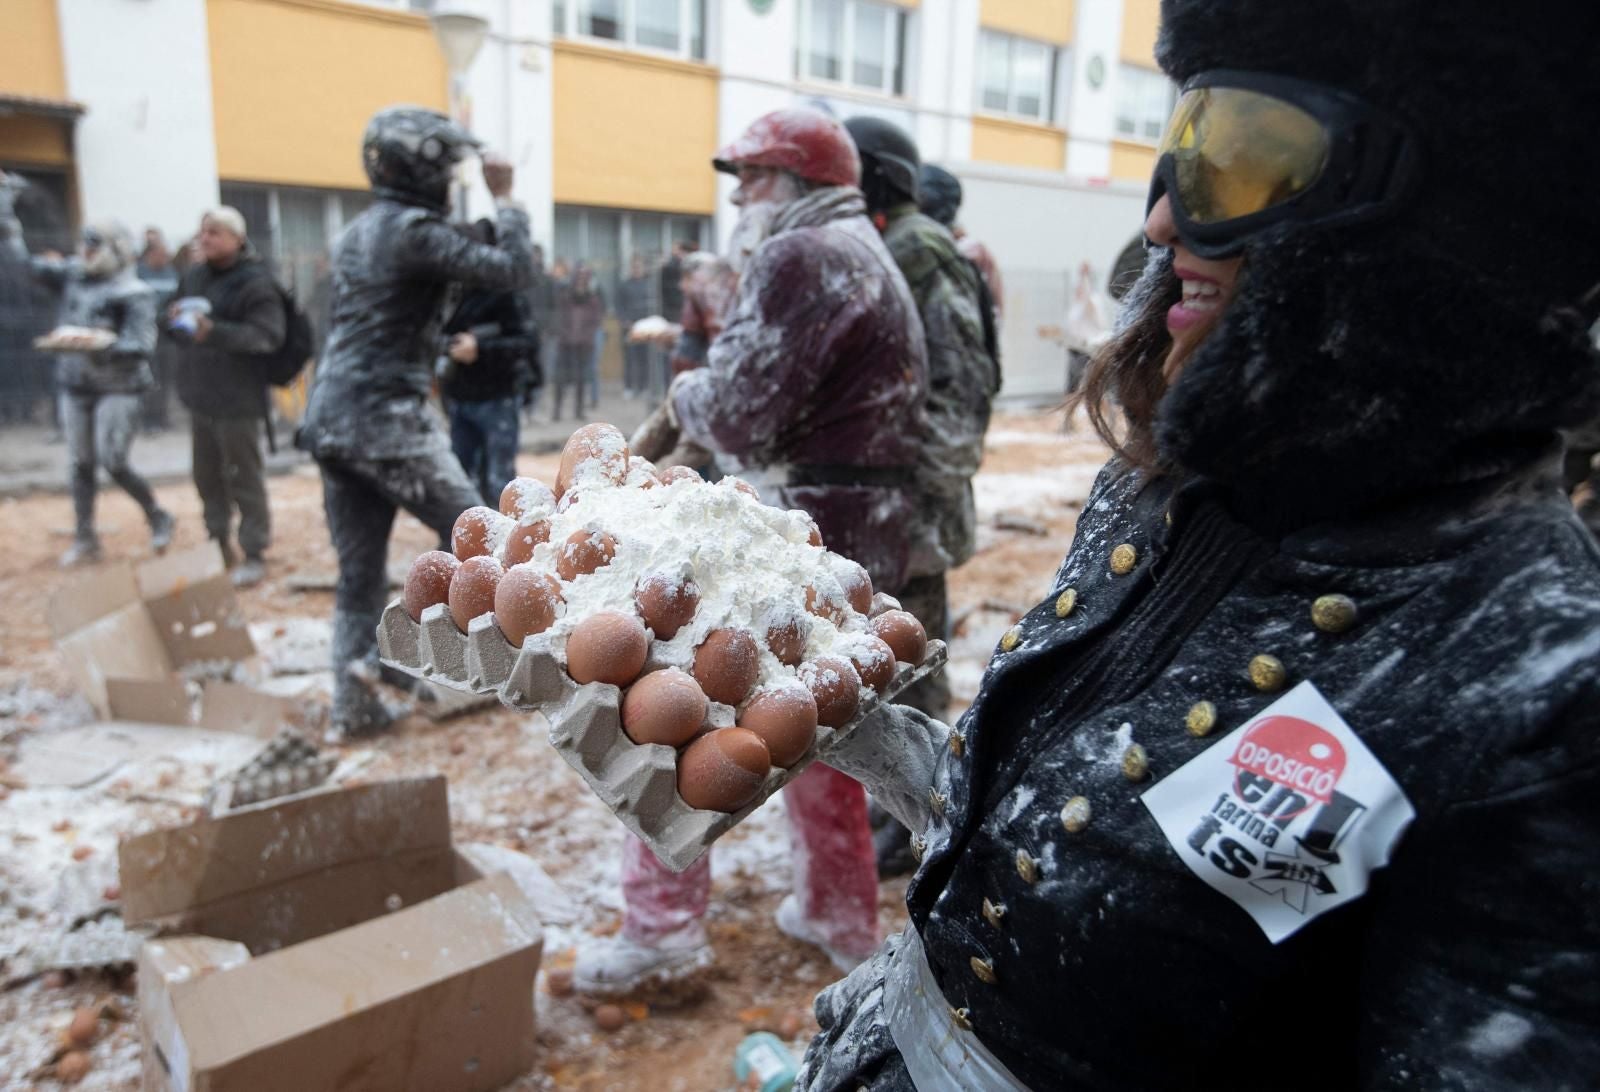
764,1055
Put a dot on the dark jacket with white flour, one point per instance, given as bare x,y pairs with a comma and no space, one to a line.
1363,499
392,268
815,384
1469,672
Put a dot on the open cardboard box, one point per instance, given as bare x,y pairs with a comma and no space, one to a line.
338,941
126,631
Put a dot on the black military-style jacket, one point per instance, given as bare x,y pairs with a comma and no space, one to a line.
392,269
1459,639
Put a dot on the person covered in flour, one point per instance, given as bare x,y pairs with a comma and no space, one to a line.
812,390
1294,774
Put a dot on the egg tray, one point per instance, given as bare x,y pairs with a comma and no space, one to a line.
638,782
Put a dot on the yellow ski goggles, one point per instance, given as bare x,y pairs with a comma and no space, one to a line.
1247,150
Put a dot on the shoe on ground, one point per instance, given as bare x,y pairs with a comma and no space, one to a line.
617,967
248,573
361,711
161,527
792,923
83,551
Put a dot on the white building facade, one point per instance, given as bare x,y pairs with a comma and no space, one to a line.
610,110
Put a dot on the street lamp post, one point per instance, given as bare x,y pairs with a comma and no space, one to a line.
460,35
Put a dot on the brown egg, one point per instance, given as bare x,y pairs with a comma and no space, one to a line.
472,589
569,500
475,532
596,452
785,718
825,604
584,552
428,582
523,496
815,537
85,1027
723,770
873,661
726,665
608,648
786,638
901,631
522,539
666,602
679,474
664,707
836,686
610,1017
744,487
525,603
558,981
73,1067
857,586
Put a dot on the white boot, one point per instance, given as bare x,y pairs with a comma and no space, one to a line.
616,966
793,923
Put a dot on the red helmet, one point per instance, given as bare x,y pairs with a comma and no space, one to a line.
801,141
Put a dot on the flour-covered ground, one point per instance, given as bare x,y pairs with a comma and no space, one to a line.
507,787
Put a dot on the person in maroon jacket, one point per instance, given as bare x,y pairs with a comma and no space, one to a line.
812,392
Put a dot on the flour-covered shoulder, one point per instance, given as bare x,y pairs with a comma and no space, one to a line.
1122,501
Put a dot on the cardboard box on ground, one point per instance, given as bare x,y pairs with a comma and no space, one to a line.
334,940
126,632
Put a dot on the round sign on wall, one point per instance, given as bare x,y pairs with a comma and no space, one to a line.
1096,71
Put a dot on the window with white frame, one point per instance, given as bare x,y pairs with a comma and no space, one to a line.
677,27
1016,76
858,43
1144,101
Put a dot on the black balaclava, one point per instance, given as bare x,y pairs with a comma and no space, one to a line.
409,153
1359,365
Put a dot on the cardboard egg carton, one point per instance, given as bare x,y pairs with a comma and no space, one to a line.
638,782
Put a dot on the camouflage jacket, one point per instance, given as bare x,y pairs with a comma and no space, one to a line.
962,377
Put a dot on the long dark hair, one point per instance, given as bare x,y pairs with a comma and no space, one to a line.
1123,383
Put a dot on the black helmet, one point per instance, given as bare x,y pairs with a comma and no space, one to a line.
409,152
889,161
939,194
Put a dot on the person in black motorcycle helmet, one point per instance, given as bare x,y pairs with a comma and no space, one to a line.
369,422
1294,773
410,153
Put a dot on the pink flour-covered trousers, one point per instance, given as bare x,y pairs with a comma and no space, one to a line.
835,870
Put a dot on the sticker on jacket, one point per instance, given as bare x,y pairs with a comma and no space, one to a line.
1288,815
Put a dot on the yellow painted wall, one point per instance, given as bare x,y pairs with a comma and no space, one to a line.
30,49
294,82
633,131
1140,21
996,140
1043,20
25,138
1131,162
